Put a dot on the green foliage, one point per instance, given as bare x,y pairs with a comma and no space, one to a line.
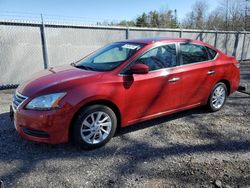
127,23
229,15
141,21
156,19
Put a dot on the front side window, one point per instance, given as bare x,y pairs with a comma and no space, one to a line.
109,57
160,57
193,53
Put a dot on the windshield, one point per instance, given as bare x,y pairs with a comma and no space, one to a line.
109,57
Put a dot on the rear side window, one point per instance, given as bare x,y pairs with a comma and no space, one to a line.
192,53
211,52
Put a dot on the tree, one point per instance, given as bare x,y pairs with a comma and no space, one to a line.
126,23
229,15
196,19
164,19
215,20
141,21
189,21
233,14
154,19
174,23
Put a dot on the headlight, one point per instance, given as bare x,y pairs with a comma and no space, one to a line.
45,102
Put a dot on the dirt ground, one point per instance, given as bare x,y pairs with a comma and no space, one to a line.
194,148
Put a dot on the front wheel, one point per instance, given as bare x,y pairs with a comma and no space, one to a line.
217,97
94,126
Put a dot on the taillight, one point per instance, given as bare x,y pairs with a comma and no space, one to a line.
237,65
235,62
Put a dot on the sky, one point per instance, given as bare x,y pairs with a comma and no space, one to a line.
92,10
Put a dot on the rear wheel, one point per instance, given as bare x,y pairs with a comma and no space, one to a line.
217,97
94,126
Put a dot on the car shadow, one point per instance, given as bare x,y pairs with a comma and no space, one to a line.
30,155
160,120
5,120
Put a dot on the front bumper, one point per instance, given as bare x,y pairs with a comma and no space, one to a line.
43,126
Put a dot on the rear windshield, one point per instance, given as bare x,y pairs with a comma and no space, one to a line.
109,57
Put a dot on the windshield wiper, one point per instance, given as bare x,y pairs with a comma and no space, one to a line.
73,64
84,67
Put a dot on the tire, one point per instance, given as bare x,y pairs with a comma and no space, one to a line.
217,101
94,126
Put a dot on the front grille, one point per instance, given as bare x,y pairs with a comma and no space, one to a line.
17,100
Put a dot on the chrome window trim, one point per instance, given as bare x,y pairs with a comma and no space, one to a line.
156,46
200,62
217,54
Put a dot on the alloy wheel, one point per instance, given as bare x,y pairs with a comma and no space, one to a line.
218,97
96,127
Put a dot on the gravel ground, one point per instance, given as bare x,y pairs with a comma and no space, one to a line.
194,148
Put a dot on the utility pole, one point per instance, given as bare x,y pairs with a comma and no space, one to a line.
175,18
44,44
227,15
246,14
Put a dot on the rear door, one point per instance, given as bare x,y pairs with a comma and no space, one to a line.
197,73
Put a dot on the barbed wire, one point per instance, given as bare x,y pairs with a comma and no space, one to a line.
16,15
50,15
55,18
29,17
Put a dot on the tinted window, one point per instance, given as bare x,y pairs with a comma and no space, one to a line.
211,52
109,57
192,53
160,57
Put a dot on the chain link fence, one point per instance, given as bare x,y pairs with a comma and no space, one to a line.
27,48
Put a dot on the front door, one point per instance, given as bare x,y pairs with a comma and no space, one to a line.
148,95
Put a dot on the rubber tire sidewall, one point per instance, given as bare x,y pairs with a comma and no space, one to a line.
209,104
78,123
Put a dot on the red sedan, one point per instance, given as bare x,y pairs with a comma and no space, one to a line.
119,85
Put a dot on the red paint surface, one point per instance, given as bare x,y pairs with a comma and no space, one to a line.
138,97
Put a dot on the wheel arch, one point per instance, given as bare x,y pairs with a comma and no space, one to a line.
228,85
104,102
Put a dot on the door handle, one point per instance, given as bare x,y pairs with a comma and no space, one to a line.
210,72
174,79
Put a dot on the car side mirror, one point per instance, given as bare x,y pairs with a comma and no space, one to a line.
139,69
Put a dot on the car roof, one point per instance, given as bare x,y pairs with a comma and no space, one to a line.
160,39
148,41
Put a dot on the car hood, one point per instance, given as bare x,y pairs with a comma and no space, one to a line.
56,79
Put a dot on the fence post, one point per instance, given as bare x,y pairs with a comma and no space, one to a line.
226,42
201,36
180,34
127,33
243,46
44,44
236,44
215,37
